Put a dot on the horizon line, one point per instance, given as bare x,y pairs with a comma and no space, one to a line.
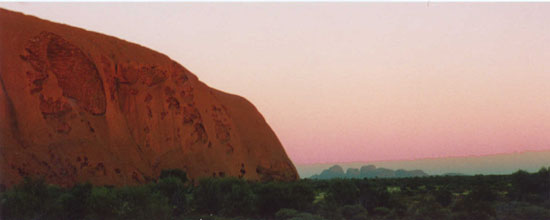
428,158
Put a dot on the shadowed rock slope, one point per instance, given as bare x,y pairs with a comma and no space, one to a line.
82,106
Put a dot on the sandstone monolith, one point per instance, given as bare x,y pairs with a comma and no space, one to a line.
80,106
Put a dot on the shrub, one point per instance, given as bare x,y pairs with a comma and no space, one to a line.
177,173
522,210
176,191
342,192
227,196
102,203
32,199
75,200
208,196
273,196
239,198
286,213
444,197
291,214
128,202
138,202
351,211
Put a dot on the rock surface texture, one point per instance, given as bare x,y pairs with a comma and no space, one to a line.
80,106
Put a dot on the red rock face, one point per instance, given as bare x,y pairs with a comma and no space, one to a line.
81,106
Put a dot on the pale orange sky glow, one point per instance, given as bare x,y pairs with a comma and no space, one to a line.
357,81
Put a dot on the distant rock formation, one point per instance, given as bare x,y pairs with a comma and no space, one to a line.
81,106
369,171
333,172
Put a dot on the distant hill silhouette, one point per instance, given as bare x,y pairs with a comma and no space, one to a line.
368,171
508,163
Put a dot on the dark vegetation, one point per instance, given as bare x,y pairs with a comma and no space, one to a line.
520,195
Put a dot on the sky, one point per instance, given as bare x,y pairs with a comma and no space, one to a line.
343,82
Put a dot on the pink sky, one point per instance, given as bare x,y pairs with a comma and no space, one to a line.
357,81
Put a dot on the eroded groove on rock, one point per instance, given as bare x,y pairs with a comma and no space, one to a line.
76,74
